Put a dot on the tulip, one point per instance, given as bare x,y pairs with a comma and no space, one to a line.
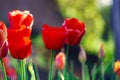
3,46
101,56
76,30
101,53
60,61
59,64
20,45
82,58
19,33
54,37
11,73
82,55
117,67
3,40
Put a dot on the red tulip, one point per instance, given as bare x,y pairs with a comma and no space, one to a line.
19,33
76,30
11,73
3,40
54,38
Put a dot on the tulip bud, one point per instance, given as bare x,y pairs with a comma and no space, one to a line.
101,53
60,61
82,55
11,73
117,67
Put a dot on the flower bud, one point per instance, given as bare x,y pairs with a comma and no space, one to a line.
117,67
60,61
101,53
82,55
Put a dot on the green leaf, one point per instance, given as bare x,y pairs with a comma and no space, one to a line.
86,72
94,71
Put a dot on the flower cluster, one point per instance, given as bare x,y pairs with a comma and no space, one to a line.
70,33
16,38
54,38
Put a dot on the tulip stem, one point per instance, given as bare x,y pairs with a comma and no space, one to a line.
83,72
66,63
51,65
102,71
60,75
23,69
3,68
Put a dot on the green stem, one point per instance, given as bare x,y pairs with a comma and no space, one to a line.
51,65
102,71
31,70
23,69
3,68
58,75
37,73
83,74
72,71
66,63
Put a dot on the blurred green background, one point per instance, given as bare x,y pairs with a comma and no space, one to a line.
97,17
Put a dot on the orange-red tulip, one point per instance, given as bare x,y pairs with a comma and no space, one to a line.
19,33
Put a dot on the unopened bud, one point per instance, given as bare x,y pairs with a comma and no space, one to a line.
82,55
101,53
60,61
117,67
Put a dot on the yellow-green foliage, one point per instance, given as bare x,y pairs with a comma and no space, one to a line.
89,12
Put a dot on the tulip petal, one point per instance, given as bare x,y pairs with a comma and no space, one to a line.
54,37
4,50
20,51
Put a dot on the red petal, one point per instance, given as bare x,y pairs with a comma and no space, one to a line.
21,51
16,35
54,37
4,50
18,18
15,18
28,21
